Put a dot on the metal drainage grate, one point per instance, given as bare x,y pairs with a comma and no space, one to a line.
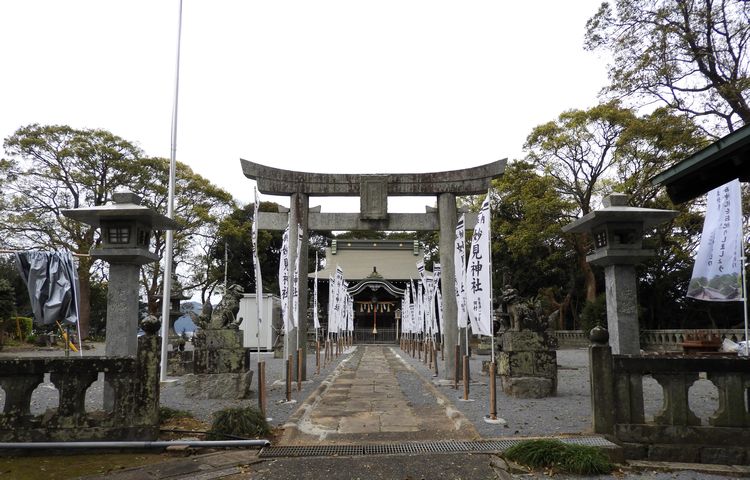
480,446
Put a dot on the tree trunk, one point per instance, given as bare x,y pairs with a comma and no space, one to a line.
84,285
581,243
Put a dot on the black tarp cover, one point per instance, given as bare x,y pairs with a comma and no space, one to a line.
52,282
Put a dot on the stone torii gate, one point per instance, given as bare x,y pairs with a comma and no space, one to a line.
374,191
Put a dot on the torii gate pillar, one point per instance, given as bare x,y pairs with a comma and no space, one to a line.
299,214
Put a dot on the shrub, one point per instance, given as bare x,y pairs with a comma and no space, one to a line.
7,301
25,324
245,422
566,458
536,453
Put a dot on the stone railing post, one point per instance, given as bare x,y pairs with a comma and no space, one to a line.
676,409
72,387
147,366
732,390
602,382
18,390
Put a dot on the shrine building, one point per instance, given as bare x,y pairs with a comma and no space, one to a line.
376,273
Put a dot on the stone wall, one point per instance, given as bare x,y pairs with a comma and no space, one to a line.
676,433
134,416
667,340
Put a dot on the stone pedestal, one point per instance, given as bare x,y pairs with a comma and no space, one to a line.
220,366
180,363
528,364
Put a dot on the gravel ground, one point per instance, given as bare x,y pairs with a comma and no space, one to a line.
172,394
567,412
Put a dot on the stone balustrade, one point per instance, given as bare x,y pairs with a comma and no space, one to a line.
676,433
135,383
651,340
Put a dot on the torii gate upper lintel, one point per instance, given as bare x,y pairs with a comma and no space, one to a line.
277,181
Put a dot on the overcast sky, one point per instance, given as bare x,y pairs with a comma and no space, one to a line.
328,86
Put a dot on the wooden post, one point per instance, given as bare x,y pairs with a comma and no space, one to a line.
457,368
300,359
428,353
435,352
317,357
466,377
262,388
289,364
493,393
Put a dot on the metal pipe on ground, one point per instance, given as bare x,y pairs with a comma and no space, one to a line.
138,445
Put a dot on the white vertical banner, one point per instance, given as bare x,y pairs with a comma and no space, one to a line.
256,260
350,310
717,274
438,313
459,266
408,309
422,310
478,293
331,300
404,309
412,307
440,322
316,320
295,284
338,299
416,311
284,280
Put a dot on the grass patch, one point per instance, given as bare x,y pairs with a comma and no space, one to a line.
167,413
73,465
244,422
560,456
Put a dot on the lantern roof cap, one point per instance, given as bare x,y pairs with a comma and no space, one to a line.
126,206
616,211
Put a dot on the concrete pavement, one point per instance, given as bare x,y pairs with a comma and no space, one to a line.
364,400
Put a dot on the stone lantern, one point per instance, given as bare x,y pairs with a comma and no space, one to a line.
617,232
126,227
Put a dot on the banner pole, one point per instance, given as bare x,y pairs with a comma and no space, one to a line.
744,290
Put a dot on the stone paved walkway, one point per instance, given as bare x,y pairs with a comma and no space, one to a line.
376,397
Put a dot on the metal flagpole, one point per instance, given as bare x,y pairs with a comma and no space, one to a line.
744,288
166,285
493,367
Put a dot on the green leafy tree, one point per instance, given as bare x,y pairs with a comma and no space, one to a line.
199,208
689,55
528,247
52,168
9,272
578,152
7,301
234,242
590,153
